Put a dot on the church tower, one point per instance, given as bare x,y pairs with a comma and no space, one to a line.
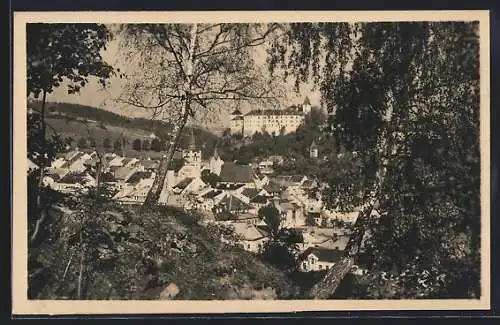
191,154
306,106
215,163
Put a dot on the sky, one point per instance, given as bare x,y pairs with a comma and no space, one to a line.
93,94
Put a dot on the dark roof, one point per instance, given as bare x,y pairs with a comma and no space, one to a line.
308,183
150,164
236,112
224,215
259,199
273,187
176,164
296,178
237,118
184,183
137,176
212,194
270,112
72,178
324,254
307,101
234,173
232,203
126,161
250,192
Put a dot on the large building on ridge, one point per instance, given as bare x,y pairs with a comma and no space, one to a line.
272,121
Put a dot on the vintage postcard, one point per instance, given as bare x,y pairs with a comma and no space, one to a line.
216,162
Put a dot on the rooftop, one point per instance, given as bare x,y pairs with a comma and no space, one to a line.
184,183
324,254
274,112
234,173
138,176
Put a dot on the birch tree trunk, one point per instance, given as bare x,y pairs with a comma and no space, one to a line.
39,201
328,285
159,183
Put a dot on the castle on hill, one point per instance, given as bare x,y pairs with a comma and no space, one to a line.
272,121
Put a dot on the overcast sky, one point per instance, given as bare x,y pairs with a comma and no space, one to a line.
93,95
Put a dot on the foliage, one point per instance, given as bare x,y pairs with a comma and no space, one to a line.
271,215
129,255
145,145
210,178
106,143
425,75
57,51
137,144
117,145
82,143
156,145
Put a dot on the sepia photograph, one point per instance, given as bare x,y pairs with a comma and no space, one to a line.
232,161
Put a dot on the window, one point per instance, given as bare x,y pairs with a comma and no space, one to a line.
320,267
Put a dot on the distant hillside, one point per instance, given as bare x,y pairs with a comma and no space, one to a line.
77,121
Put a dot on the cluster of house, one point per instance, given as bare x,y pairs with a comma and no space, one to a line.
234,199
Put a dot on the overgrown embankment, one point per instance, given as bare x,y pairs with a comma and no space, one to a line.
121,252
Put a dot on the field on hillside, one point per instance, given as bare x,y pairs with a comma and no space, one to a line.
78,129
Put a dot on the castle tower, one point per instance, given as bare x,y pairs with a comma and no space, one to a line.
236,122
313,150
306,106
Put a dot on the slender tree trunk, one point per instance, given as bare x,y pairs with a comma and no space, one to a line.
328,285
159,183
39,200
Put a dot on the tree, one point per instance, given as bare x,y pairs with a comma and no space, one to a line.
187,70
210,178
92,142
82,143
408,88
117,145
106,143
136,145
156,145
59,52
271,215
146,145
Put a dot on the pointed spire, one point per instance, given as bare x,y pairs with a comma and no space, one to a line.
216,153
192,142
307,101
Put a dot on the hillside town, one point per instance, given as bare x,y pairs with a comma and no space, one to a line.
223,192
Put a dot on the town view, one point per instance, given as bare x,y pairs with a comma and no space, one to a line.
253,161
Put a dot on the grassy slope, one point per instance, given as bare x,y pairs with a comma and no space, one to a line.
200,265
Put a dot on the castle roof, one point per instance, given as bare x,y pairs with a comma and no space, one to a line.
273,112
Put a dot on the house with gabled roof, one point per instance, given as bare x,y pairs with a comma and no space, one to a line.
232,173
252,239
319,259
232,204
74,183
209,198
